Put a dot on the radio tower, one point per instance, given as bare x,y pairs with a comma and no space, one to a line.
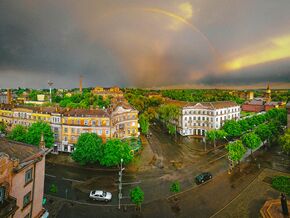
81,83
50,83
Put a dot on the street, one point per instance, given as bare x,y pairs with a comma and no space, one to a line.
74,184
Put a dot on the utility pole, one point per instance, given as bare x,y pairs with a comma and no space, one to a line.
120,195
50,83
120,183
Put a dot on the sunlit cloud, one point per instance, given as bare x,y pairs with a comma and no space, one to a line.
185,11
272,50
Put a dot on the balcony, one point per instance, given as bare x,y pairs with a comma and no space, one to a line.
8,207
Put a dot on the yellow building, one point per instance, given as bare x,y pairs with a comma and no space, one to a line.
114,92
119,121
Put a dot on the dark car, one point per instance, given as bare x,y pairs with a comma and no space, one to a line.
203,177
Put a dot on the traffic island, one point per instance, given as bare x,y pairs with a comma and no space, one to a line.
272,208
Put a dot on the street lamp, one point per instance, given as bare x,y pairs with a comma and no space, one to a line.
50,83
120,183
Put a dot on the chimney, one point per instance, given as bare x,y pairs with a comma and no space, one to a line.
42,143
81,84
9,96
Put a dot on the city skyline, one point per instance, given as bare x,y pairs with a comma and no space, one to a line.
150,44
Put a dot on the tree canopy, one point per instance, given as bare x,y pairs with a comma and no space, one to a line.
236,150
144,123
34,132
232,128
251,140
284,141
216,135
18,133
263,131
88,149
137,196
114,150
2,127
175,187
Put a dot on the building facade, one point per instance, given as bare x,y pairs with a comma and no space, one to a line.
114,92
21,180
119,121
198,118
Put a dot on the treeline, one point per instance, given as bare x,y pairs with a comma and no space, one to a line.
250,132
85,101
201,95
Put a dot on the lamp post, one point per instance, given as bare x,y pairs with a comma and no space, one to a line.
50,83
120,183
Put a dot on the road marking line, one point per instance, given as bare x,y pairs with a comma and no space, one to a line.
237,195
48,175
71,180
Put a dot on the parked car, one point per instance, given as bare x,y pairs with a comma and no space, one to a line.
203,177
100,195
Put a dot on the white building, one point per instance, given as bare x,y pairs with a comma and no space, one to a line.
197,118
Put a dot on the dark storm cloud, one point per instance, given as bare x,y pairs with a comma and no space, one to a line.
116,42
272,72
43,40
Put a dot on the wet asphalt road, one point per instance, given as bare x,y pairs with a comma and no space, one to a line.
202,201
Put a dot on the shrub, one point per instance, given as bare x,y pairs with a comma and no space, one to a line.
282,184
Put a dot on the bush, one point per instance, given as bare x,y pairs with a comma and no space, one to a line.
53,189
282,184
175,187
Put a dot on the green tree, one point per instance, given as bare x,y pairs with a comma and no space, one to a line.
175,187
115,150
171,129
137,196
213,135
284,141
2,127
244,125
34,134
88,149
236,151
53,189
232,128
263,131
18,133
168,113
251,141
144,123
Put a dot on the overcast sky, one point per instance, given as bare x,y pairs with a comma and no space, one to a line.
144,43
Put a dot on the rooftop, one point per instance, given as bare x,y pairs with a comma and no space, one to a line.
208,105
86,113
21,151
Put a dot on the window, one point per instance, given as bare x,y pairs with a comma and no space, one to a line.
26,199
72,130
65,130
2,193
86,122
28,176
94,123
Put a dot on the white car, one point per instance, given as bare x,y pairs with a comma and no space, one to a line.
100,195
